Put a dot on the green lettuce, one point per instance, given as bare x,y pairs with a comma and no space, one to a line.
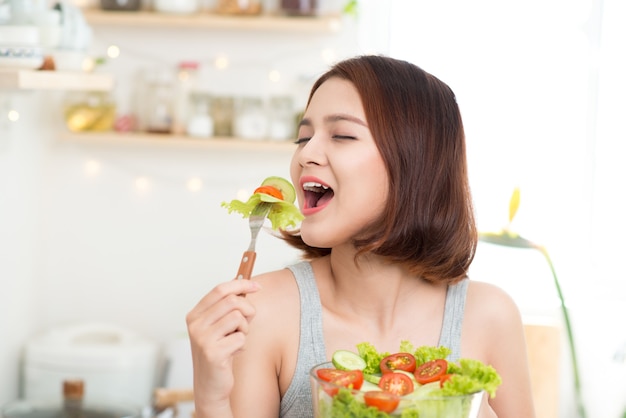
371,356
344,405
282,214
469,376
427,353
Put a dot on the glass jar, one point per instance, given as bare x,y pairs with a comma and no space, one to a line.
120,4
222,108
281,118
159,104
186,78
200,123
176,6
239,7
250,119
299,7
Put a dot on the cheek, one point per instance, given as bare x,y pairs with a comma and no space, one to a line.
294,172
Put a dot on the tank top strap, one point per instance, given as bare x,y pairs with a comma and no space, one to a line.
311,351
453,318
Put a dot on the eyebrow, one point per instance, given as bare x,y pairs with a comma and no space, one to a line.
336,118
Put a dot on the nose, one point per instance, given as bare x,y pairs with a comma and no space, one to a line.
310,152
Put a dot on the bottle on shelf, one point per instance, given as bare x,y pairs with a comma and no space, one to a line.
200,123
250,121
299,7
73,393
239,7
159,106
282,118
186,75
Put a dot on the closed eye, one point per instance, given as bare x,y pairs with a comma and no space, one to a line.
343,137
301,141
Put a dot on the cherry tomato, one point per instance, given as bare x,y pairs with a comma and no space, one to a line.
444,379
270,190
328,374
431,371
384,401
398,361
351,379
397,383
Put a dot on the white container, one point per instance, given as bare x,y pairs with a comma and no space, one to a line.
176,6
19,35
117,366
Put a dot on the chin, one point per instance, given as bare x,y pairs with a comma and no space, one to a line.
314,238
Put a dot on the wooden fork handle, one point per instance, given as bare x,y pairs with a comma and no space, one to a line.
246,265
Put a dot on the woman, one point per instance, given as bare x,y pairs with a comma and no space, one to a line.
381,177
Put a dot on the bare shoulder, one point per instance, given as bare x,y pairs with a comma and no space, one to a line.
278,283
493,332
491,318
272,338
490,302
278,296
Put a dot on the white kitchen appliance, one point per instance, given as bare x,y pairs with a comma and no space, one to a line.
117,365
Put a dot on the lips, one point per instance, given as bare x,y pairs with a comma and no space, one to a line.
316,195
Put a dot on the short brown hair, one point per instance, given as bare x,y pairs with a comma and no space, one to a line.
428,223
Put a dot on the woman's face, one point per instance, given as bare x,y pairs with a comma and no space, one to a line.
338,172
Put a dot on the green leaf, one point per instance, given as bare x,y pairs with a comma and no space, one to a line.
506,239
514,203
351,8
282,215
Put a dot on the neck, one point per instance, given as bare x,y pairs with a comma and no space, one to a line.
371,287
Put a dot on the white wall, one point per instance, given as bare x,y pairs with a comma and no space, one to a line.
80,242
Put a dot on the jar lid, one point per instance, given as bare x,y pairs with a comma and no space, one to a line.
188,65
73,389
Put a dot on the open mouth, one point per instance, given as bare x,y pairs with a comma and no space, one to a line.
316,194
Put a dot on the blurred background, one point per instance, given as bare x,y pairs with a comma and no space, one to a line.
114,164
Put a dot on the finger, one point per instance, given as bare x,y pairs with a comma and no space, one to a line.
201,320
222,338
231,323
233,287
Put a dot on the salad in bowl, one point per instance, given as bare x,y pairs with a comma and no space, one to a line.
411,383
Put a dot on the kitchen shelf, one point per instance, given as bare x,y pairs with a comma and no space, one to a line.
206,20
54,80
178,141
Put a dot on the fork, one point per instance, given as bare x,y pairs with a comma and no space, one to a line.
257,218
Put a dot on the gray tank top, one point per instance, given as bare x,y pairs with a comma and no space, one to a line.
297,402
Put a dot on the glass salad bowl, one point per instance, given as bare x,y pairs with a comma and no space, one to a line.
337,401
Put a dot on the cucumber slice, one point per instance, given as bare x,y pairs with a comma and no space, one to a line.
347,360
285,187
372,378
368,386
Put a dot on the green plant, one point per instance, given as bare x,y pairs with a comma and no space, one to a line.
351,8
506,237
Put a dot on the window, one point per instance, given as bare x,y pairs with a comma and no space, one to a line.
540,84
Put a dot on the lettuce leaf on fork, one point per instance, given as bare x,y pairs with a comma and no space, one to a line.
282,215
